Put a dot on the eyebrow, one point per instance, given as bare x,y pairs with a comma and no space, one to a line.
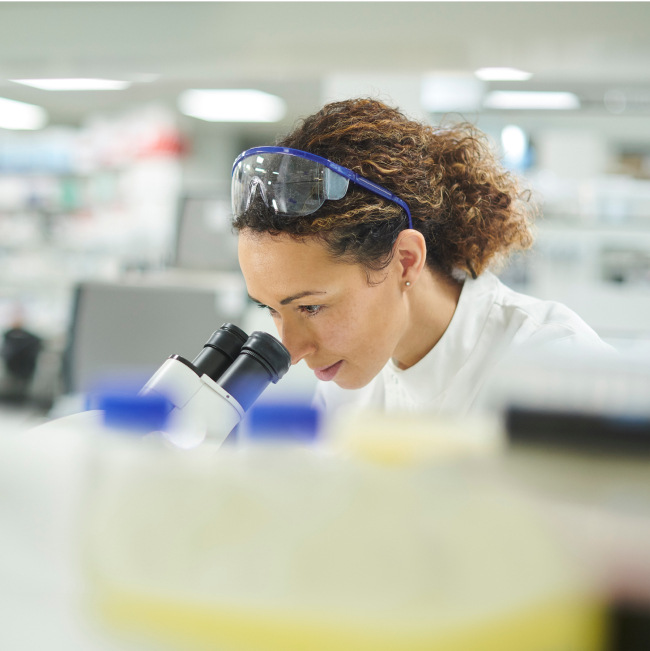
293,297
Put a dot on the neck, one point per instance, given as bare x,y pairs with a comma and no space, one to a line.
431,304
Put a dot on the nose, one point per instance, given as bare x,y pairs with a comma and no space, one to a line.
296,341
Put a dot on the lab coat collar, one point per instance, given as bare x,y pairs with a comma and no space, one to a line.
429,378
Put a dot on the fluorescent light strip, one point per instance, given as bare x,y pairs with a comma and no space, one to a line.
503,74
74,84
20,115
245,105
529,100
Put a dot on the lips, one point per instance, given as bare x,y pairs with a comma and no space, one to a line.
327,373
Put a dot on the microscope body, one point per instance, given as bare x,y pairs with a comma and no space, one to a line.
199,402
210,395
205,398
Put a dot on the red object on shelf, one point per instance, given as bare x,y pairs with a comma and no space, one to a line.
167,143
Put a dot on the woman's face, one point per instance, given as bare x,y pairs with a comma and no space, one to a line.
326,312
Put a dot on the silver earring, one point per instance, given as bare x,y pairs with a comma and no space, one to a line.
408,284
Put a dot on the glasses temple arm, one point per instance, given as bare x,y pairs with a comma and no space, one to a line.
382,192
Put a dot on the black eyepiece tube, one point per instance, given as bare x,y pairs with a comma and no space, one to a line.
263,359
220,351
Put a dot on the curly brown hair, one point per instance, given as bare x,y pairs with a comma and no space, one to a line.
470,210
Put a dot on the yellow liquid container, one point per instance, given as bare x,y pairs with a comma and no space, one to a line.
286,548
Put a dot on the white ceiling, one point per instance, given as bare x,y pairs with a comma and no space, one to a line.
288,48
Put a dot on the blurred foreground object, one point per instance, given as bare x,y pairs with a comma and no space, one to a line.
283,546
410,439
593,403
388,532
578,430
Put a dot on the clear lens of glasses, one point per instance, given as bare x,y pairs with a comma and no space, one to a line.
289,185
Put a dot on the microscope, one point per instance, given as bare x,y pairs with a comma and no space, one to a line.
211,394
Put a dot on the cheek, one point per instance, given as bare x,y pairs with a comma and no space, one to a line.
365,327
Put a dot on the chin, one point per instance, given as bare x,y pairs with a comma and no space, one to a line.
352,383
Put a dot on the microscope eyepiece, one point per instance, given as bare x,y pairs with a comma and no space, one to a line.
270,353
220,351
233,329
263,360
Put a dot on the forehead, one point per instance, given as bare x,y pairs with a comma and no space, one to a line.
279,266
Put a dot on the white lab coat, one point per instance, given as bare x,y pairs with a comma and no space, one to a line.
490,322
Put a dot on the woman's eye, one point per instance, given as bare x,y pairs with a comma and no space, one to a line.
266,307
311,309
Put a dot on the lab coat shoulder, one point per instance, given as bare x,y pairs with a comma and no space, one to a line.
518,325
531,322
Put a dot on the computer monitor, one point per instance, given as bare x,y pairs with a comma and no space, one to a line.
126,331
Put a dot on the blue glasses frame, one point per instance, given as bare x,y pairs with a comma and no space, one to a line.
339,169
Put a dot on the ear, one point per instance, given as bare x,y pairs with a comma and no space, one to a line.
410,253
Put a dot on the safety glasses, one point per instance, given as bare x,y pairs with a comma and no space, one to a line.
294,182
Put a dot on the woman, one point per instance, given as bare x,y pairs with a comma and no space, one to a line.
369,237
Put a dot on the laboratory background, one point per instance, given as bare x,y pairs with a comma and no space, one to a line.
119,124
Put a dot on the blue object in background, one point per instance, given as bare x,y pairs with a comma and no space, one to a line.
284,420
127,411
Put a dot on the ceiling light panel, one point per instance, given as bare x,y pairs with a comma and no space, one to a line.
74,84
503,74
245,105
20,115
530,100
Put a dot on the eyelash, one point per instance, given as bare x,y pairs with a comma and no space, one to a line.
304,308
